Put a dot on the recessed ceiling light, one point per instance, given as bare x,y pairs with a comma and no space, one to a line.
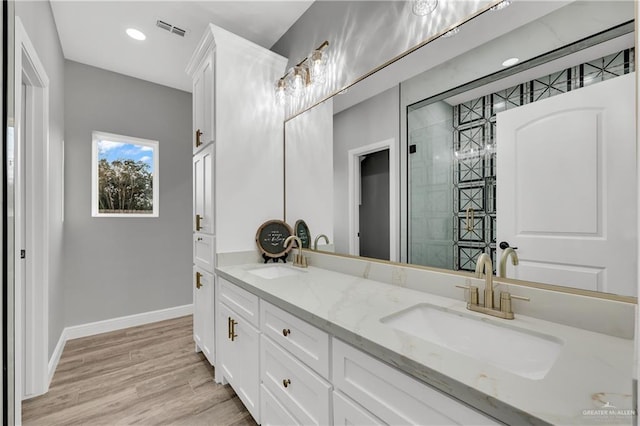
510,61
453,31
136,34
501,5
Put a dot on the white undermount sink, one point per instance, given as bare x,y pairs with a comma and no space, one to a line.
275,271
522,352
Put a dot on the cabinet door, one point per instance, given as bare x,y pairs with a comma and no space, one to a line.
347,412
238,357
203,103
203,325
203,191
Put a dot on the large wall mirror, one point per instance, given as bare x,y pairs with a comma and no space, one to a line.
452,151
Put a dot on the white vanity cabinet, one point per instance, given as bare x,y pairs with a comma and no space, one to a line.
203,98
203,330
203,253
235,122
379,391
294,368
238,344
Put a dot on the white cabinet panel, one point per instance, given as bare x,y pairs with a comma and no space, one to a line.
241,301
238,357
308,343
272,413
393,396
349,413
302,392
203,191
203,302
203,251
203,104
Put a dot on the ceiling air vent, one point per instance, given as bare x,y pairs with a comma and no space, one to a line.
171,28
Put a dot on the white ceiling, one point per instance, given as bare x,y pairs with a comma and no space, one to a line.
93,32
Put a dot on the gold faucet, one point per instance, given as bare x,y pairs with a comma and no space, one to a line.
484,264
509,251
298,259
315,242
503,310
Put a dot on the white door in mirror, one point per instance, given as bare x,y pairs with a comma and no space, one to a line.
566,188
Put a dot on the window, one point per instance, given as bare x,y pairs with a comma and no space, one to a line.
124,176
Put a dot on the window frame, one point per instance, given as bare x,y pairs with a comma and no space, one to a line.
97,136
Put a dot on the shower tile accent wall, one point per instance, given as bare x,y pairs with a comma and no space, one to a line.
474,127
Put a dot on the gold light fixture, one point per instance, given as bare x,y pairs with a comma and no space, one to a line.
310,71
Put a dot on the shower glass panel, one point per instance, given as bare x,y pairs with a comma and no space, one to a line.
431,223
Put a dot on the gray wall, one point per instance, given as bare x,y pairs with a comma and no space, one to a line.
371,121
363,34
123,266
37,19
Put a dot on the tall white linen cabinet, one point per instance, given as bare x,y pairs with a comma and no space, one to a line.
237,160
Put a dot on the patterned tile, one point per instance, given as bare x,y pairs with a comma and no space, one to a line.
472,230
467,257
469,112
471,197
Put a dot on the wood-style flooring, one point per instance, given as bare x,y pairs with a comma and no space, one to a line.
147,375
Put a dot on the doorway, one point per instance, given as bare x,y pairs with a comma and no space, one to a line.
31,221
373,203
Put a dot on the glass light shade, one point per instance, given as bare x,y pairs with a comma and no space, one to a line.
280,91
317,66
296,81
424,7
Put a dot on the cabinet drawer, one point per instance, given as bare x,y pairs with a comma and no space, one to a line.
302,392
393,396
244,303
347,413
203,251
308,343
273,413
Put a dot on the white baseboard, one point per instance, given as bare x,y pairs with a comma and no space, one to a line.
105,326
55,357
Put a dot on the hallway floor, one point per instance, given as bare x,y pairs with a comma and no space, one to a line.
142,375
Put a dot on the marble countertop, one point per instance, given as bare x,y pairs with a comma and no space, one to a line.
591,370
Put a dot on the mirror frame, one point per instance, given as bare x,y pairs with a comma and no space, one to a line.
491,77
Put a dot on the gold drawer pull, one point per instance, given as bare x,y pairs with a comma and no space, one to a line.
286,383
198,135
198,224
286,332
231,324
198,277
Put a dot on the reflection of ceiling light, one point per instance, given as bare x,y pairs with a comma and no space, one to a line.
510,61
501,5
136,34
424,7
453,31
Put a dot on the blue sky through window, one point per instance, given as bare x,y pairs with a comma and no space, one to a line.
117,150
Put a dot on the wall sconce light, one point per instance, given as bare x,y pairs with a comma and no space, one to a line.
424,7
310,71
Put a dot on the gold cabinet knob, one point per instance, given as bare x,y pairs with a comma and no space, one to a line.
286,332
286,383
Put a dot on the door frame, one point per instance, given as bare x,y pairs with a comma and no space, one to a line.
28,66
354,195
